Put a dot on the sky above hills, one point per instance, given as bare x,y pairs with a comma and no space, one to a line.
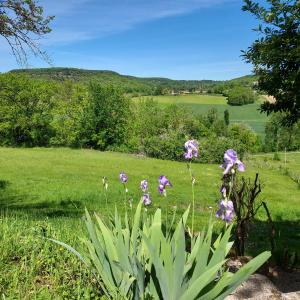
178,39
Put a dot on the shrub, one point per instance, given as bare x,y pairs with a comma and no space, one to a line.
238,137
244,139
167,145
240,96
212,149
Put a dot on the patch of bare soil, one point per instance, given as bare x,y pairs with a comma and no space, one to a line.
257,287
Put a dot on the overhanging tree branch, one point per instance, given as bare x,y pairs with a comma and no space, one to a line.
22,24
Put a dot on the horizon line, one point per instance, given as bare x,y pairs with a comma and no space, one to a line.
127,75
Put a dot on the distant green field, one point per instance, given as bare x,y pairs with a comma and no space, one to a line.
43,192
248,114
190,99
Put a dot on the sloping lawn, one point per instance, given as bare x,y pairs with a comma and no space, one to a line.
43,192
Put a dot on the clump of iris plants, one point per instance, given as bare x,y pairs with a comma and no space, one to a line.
144,261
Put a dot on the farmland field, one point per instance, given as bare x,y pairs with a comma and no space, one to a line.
247,114
43,192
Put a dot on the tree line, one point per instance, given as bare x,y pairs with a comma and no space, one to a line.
48,114
238,91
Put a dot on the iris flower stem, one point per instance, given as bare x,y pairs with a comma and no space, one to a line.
105,193
131,216
167,219
231,186
125,193
193,196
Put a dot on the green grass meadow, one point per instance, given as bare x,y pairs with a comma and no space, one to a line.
43,193
247,114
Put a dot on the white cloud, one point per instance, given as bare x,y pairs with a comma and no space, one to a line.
78,20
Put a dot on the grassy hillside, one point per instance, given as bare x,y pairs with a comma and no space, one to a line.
247,80
129,83
145,85
248,114
44,191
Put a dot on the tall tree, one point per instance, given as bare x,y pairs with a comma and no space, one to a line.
109,115
22,23
226,117
276,55
25,105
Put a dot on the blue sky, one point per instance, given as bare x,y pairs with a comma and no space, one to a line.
180,39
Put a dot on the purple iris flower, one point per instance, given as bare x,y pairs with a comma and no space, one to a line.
123,177
163,182
225,211
228,216
231,159
146,199
161,188
144,185
222,207
192,149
